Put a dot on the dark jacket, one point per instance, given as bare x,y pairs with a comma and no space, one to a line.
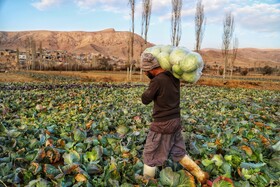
164,90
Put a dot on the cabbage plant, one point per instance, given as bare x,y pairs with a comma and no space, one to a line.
93,134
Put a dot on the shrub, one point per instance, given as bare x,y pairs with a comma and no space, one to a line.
221,71
244,72
267,70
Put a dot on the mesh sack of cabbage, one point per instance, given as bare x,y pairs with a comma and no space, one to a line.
183,63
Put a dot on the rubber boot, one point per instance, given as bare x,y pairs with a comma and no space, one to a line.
194,169
149,171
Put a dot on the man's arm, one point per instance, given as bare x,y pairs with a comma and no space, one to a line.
149,95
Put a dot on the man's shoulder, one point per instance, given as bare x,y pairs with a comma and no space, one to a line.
169,75
160,77
164,74
166,77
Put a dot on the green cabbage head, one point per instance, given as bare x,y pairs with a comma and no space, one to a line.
155,50
176,75
177,55
163,59
191,77
176,69
191,62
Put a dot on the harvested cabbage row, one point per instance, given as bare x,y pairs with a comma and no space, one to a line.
183,63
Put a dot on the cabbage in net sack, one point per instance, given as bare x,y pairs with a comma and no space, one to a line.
191,77
191,62
155,50
176,69
184,64
177,55
163,59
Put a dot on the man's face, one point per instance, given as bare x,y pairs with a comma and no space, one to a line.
149,74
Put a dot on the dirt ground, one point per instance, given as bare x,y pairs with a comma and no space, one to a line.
109,76
262,85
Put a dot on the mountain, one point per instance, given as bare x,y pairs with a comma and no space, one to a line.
246,57
115,43
107,42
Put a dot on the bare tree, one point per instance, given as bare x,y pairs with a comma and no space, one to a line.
41,55
200,23
176,22
27,44
234,55
128,56
227,37
132,7
18,63
146,16
33,53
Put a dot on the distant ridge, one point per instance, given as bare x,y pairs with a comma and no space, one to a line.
107,42
110,42
246,57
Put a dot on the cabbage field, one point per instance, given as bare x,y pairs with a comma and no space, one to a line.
92,134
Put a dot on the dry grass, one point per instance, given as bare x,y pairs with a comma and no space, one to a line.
262,85
100,76
109,76
12,77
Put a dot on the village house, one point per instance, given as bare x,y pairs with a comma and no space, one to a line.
49,59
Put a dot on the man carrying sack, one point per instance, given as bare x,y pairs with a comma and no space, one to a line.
164,137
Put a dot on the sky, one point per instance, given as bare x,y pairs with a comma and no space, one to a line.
257,23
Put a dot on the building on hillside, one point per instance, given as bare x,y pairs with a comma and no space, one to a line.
22,60
49,59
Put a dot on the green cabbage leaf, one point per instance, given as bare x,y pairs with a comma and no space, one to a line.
168,177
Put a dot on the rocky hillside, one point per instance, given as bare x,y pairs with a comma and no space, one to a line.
107,42
115,43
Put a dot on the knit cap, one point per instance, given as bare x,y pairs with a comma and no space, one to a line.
148,62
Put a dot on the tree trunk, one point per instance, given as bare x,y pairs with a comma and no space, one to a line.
227,36
176,22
